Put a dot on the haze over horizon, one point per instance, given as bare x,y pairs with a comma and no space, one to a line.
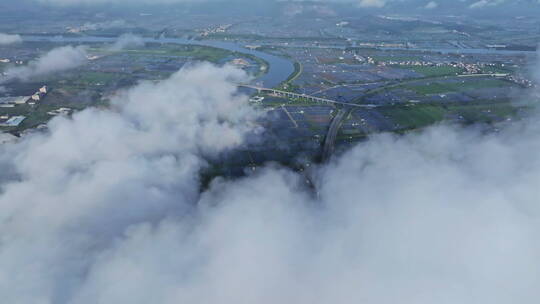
394,6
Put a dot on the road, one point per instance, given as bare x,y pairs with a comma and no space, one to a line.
330,140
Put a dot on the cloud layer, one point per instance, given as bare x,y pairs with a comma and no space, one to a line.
105,208
77,190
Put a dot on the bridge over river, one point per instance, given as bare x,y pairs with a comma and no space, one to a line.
305,96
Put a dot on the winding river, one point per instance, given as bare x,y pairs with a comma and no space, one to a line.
278,71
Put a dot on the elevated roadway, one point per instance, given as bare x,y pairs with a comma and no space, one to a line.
281,93
330,139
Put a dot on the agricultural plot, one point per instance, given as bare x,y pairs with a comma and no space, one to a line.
460,85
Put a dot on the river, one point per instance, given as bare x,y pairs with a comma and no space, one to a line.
278,71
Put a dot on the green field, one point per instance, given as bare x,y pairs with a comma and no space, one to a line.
465,85
90,77
497,69
298,69
203,53
414,116
200,53
422,115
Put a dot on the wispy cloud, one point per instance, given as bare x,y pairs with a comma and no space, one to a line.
9,39
56,60
125,41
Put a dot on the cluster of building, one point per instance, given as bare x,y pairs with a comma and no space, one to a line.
38,95
11,121
384,45
60,111
240,62
256,99
7,60
10,102
468,68
521,81
214,30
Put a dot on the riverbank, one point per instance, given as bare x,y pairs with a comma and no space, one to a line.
279,69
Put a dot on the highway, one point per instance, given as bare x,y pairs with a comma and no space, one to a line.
330,139
344,109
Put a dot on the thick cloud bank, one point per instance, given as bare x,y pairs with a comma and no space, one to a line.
56,60
106,209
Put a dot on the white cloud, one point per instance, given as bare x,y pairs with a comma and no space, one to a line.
484,3
79,188
125,41
422,219
9,39
56,60
431,5
372,3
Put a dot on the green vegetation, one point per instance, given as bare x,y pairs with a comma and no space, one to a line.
96,78
35,115
497,70
263,64
484,112
200,53
288,84
432,88
414,116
